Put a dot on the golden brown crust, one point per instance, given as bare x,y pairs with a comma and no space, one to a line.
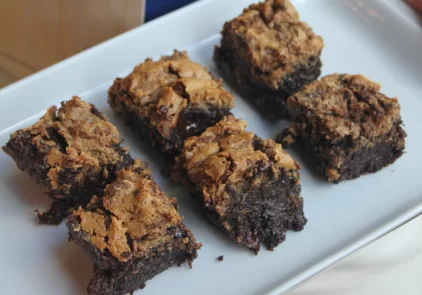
159,91
276,41
226,154
347,105
138,209
94,225
87,140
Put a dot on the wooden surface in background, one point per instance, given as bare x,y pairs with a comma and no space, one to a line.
36,34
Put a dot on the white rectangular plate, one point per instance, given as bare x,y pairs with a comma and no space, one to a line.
380,39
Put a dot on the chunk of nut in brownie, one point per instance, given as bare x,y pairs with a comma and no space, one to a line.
168,100
132,234
248,187
71,153
347,125
269,54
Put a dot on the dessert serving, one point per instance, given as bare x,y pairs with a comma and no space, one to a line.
132,234
269,54
168,100
72,153
247,186
347,124
244,192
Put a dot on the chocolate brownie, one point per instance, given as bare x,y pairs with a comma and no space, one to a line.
269,54
347,125
132,233
168,100
71,153
247,186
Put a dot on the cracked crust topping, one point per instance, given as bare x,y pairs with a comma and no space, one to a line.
346,105
343,116
159,91
272,39
133,217
226,154
76,137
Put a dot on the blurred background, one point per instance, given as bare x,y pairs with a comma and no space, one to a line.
37,34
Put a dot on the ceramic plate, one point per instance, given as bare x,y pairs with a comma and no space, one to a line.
380,39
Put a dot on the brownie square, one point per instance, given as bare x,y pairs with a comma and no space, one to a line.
71,153
132,233
168,100
347,125
247,186
269,54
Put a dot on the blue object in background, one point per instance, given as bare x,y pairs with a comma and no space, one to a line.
156,8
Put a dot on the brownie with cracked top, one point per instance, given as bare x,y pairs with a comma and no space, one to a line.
169,100
269,54
347,125
71,153
132,233
247,186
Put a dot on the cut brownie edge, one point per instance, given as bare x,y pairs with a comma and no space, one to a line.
361,162
368,160
122,281
267,218
106,261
